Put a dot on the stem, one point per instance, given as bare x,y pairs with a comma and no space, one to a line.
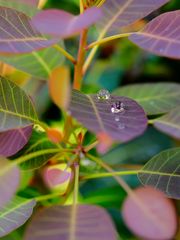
108,39
46,197
109,174
25,158
81,6
76,184
65,53
78,72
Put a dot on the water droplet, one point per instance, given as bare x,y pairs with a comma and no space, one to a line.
117,107
103,94
121,126
117,118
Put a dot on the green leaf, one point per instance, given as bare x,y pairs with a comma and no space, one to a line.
155,98
15,214
169,123
37,142
163,172
16,108
38,64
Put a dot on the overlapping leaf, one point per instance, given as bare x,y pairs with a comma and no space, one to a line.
39,64
170,123
120,13
96,114
60,86
17,35
163,172
9,181
48,21
15,214
161,36
63,223
154,98
29,7
38,142
14,140
16,108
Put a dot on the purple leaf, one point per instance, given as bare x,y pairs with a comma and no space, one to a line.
121,13
62,223
120,118
17,35
9,181
161,36
15,214
63,24
14,140
169,123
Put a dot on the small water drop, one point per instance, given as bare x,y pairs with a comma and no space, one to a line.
117,107
121,126
103,94
117,118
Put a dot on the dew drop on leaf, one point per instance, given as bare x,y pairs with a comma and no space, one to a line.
117,107
103,94
121,126
117,118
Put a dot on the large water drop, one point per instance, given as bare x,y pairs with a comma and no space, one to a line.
103,94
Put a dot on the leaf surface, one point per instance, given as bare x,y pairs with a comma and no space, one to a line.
9,182
47,21
14,140
60,86
96,115
120,13
155,98
15,214
88,222
163,172
38,64
169,123
161,36
16,108
17,35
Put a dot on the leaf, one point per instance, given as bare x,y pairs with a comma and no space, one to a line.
29,7
17,35
38,64
91,3
161,36
15,214
16,108
96,115
62,223
37,142
163,172
160,223
14,140
120,13
169,123
47,22
9,182
60,86
155,98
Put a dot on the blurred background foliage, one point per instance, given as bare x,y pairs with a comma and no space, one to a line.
118,63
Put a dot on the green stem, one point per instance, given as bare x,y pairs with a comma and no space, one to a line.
109,174
65,53
23,159
76,184
47,197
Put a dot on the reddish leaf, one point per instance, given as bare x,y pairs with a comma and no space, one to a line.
99,117
63,223
14,140
63,24
121,13
160,220
17,35
9,182
161,36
